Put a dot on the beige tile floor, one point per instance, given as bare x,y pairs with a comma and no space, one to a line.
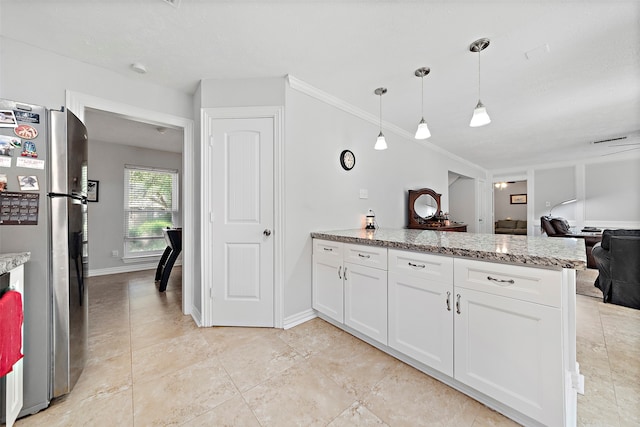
150,366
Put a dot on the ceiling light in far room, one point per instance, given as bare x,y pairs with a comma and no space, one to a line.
501,185
423,130
480,115
139,68
161,130
381,143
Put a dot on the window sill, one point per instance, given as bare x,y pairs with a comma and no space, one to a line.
141,258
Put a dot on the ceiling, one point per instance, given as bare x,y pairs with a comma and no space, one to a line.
557,75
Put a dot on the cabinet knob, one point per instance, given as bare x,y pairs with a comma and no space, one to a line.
267,232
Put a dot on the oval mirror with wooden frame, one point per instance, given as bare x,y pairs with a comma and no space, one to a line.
424,206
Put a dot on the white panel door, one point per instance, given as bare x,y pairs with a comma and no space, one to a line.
328,293
510,350
365,300
242,215
421,320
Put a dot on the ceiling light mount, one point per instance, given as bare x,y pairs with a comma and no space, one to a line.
479,45
139,68
381,142
423,71
423,130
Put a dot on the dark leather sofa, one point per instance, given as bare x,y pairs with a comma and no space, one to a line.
618,260
559,227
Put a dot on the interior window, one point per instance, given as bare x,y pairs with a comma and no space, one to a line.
150,203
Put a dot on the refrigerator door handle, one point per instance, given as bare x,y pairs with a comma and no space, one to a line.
75,196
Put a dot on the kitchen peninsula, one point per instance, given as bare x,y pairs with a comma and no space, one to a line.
490,315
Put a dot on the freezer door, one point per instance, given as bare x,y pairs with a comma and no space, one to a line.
69,262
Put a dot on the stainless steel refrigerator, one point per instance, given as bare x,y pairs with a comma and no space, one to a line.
44,153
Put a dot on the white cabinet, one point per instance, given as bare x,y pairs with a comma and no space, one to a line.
350,286
421,308
13,380
502,333
328,288
508,342
365,300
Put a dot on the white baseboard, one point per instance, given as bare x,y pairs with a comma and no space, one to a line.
196,316
129,268
299,318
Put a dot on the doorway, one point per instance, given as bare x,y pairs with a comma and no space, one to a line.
80,103
510,201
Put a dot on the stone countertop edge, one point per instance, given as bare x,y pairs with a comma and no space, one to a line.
468,245
10,261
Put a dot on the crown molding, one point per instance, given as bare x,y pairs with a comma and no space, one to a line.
304,87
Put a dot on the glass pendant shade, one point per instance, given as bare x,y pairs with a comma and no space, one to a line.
381,143
423,130
480,116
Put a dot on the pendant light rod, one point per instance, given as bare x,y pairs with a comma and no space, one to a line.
423,130
381,143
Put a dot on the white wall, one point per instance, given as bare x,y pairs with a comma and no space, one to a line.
39,77
610,193
462,195
503,208
106,217
320,195
607,189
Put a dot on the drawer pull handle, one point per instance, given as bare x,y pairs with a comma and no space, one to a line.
417,265
448,301
510,281
328,249
364,256
345,273
458,303
340,272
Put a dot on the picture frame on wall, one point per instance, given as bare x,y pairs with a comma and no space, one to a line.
92,190
518,199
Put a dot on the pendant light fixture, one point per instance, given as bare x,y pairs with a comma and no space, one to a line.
480,115
423,129
381,143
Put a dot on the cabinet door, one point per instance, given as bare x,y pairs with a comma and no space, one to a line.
328,294
365,291
421,320
510,349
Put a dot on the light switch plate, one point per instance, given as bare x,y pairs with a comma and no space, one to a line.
364,193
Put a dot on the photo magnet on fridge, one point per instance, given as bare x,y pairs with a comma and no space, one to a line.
7,119
27,117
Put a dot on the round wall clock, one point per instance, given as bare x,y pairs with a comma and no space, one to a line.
347,160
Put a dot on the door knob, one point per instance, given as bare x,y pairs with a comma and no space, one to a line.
267,232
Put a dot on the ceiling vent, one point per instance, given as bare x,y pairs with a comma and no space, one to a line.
609,140
174,3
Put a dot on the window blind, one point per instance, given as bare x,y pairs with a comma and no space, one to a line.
150,201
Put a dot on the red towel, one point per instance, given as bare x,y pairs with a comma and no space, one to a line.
11,317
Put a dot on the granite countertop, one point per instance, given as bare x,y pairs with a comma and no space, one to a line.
13,260
538,251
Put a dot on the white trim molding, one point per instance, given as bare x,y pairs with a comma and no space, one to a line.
277,114
77,102
299,318
327,98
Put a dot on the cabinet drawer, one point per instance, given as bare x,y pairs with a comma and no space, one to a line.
524,283
328,247
371,256
434,267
